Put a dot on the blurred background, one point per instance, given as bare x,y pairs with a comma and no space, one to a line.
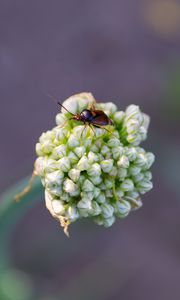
125,51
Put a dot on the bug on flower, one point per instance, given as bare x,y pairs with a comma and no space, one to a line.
90,117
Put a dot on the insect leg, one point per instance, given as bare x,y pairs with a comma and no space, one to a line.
91,126
85,125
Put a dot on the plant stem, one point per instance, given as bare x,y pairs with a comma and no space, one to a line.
11,212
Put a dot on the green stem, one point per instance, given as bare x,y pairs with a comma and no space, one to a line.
11,212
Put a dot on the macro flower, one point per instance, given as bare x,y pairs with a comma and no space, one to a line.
94,172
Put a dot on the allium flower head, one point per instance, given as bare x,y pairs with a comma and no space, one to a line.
95,173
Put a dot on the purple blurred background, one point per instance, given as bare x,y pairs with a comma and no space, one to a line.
125,51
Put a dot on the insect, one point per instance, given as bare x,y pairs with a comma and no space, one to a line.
91,117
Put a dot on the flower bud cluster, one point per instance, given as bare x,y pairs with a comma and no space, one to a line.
94,173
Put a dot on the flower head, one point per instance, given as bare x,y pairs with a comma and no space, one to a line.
97,173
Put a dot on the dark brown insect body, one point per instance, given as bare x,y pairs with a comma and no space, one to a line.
95,117
91,116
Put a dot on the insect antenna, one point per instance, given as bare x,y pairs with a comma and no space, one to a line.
65,108
55,99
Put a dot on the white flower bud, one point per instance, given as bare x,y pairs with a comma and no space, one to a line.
73,141
131,153
122,173
151,158
134,112
135,203
95,180
87,142
119,116
114,142
84,206
59,151
94,170
119,193
54,178
104,150
147,175
58,207
127,185
92,157
101,198
113,172
141,160
122,208
80,151
96,210
59,135
39,150
87,186
54,190
123,162
72,213
106,165
72,157
117,152
110,107
40,166
144,186
83,163
139,177
134,170
69,186
132,126
64,164
70,104
94,149
108,193
87,195
74,174
134,139
107,210
133,194
108,222
60,119
96,193
108,182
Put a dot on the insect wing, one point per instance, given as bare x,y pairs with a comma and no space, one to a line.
100,119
